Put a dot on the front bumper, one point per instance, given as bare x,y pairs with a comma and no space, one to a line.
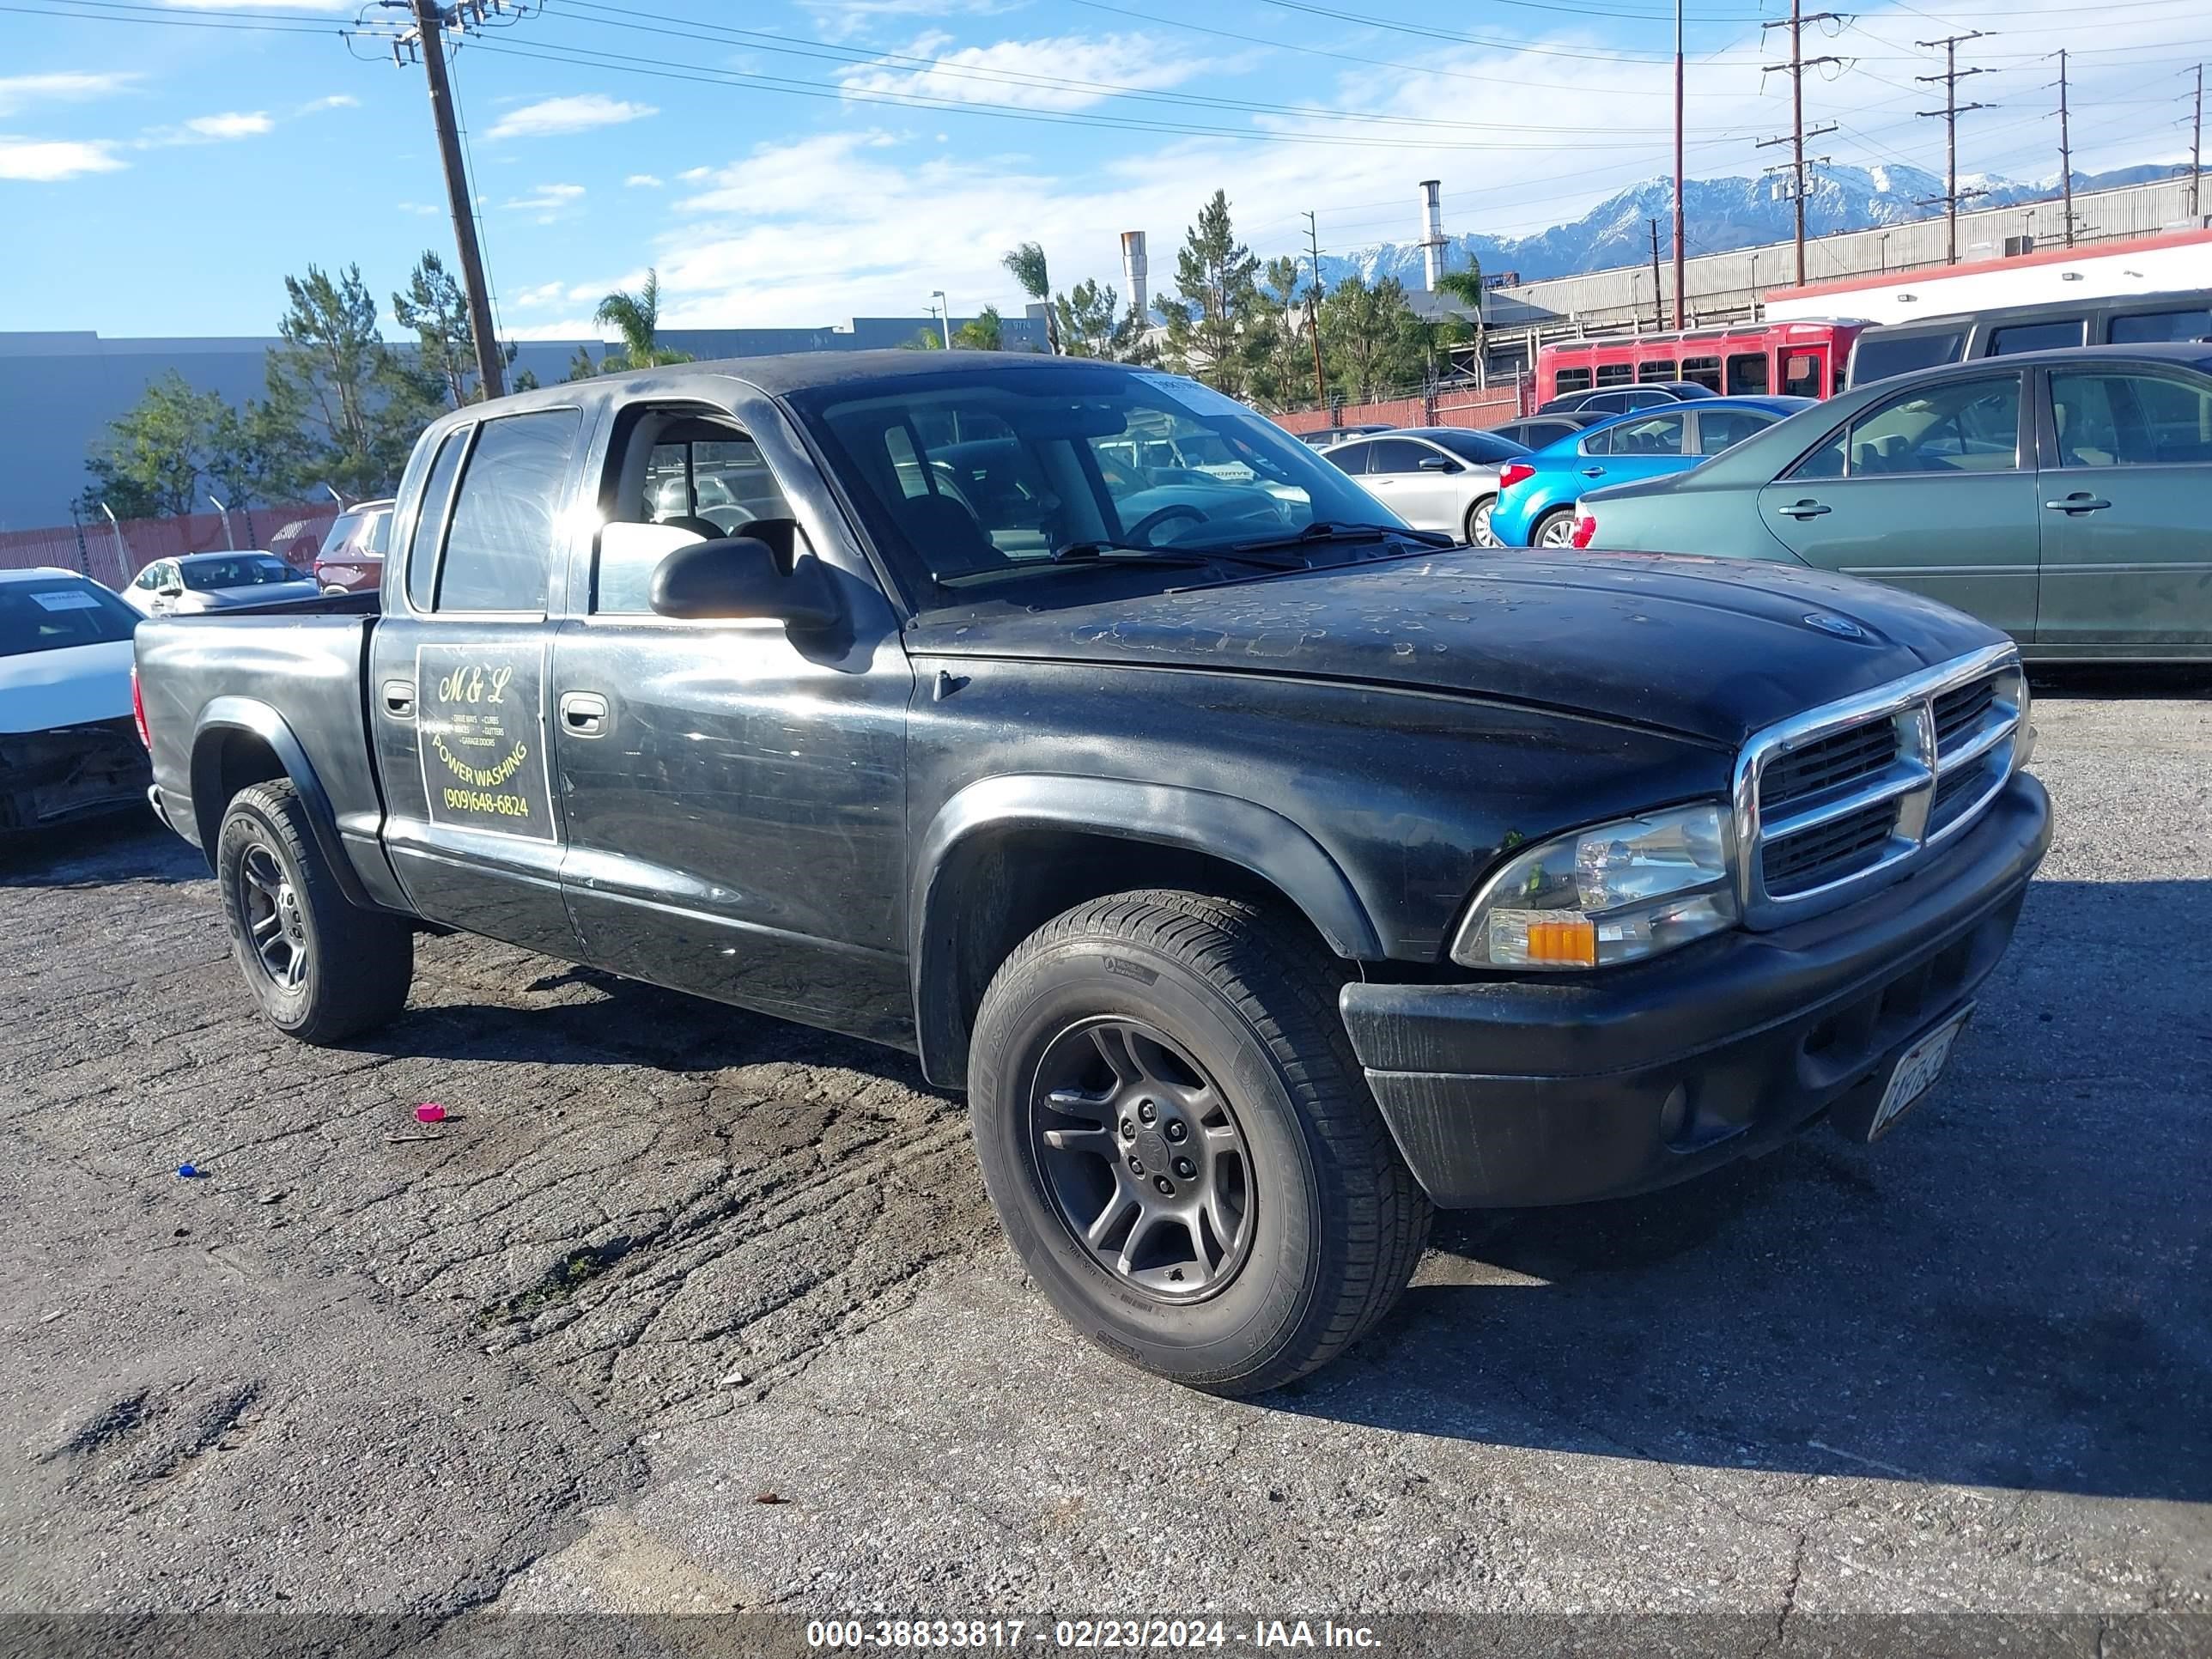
1529,1091
77,771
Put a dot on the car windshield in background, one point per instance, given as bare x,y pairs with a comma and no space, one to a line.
54,615
987,477
247,571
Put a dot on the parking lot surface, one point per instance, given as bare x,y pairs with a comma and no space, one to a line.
687,1311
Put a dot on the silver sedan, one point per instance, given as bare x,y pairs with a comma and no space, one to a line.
216,581
1434,478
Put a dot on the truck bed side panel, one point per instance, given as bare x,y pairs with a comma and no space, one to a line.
216,688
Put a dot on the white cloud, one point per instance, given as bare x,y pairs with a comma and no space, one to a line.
233,123
694,175
544,294
552,116
335,101
1022,72
44,161
59,86
642,181
548,202
424,209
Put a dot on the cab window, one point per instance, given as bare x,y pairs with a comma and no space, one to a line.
696,474
501,541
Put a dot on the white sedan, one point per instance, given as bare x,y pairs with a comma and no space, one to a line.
67,745
216,581
1434,478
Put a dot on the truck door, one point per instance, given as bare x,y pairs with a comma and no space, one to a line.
458,681
734,794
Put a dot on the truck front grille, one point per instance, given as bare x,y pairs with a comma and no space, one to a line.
1846,797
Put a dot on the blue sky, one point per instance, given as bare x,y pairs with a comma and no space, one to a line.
165,162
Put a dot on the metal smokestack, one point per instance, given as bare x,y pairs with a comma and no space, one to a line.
1135,270
1433,233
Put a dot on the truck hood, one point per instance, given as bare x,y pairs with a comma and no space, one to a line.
1710,648
43,690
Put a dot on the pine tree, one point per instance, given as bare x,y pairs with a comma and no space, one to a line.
1208,322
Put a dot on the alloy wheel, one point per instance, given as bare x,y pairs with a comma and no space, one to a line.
274,926
1144,1158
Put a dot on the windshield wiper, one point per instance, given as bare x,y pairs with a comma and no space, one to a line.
1330,530
1239,553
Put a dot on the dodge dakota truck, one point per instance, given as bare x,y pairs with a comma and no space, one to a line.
1264,871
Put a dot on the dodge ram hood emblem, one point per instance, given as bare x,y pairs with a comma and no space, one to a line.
1841,627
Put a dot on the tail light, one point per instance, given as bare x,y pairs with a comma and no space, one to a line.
138,711
1585,529
1514,472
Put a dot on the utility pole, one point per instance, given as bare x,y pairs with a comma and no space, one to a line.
1313,311
1952,110
2197,152
1658,294
2065,150
430,21
1796,137
1678,165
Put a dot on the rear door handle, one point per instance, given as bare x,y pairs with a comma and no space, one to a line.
1800,509
2080,501
1592,472
583,714
398,698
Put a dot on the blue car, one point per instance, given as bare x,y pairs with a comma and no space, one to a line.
1536,494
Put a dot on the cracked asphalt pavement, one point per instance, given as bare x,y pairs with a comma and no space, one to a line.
684,1310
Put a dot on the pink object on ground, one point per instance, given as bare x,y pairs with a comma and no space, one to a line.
430,1112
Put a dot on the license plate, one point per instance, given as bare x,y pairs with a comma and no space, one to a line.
1917,1068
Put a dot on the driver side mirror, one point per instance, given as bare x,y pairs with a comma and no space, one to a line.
171,590
1438,463
760,573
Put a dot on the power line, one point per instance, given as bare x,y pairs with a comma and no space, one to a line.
1951,112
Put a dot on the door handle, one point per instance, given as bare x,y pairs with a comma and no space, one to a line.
2080,501
583,714
1802,510
1592,472
398,698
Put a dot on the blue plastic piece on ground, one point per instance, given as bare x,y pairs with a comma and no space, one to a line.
187,1172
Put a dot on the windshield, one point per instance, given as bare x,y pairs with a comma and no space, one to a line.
982,477
246,570
54,613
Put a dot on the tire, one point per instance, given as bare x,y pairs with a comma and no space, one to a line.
1331,1222
1479,532
339,970
1554,529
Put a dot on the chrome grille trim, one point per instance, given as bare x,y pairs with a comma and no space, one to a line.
1989,742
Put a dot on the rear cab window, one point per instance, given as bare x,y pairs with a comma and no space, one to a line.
1882,353
499,542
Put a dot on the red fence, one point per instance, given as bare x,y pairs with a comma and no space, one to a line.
1452,407
291,532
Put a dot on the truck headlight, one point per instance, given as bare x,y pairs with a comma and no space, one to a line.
1614,892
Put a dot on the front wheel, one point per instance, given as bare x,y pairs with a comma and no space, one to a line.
322,969
1479,532
1555,529
1180,1145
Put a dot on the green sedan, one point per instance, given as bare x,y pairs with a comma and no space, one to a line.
2064,496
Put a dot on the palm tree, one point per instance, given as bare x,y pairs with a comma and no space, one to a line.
1025,264
636,318
1466,287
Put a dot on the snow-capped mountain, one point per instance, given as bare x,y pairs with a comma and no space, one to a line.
1722,213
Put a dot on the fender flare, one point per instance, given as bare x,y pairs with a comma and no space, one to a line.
258,720
1245,833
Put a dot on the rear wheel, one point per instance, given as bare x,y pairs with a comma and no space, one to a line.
1180,1145
1555,529
322,969
1479,532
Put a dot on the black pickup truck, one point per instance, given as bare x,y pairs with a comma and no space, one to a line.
1264,871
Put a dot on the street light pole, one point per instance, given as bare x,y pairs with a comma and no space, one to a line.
943,314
